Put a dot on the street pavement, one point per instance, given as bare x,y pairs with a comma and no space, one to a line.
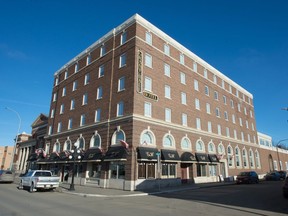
90,191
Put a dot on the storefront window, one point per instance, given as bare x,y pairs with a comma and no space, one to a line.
212,170
201,170
168,170
146,170
117,170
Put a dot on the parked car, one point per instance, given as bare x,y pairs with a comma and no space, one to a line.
282,174
39,179
273,176
285,187
6,176
247,177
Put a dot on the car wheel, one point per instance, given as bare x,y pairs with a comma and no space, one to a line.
31,188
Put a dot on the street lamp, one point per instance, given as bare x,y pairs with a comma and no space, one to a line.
277,146
75,155
16,139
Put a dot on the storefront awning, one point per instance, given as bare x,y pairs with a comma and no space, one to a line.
201,157
93,154
213,158
147,154
169,155
54,156
117,153
188,157
64,155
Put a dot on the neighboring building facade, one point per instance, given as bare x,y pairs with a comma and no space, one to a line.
6,153
30,146
140,106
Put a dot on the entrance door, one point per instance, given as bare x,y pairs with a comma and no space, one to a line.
222,169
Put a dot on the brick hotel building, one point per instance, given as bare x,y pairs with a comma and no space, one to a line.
142,107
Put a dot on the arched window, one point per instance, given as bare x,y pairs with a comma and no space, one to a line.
211,147
168,141
200,146
221,149
230,156
185,143
117,136
95,141
251,158
147,138
244,155
237,157
56,147
67,145
80,143
257,160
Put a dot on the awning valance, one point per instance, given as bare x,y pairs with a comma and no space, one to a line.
147,154
201,157
188,157
93,154
117,153
213,158
169,155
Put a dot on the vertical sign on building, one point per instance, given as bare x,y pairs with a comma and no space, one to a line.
139,71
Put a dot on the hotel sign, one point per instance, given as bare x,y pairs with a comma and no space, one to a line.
139,71
150,95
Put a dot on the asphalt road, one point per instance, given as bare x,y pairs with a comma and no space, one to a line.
256,199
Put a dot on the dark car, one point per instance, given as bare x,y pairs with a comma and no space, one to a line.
248,177
6,176
282,174
273,176
285,188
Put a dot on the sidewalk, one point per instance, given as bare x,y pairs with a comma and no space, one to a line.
88,191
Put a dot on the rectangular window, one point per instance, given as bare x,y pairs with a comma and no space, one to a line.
101,71
54,96
223,84
70,123
184,119
212,170
52,113
82,120
182,59
75,85
116,170
166,49
167,91
208,108
209,127
123,38
62,109
183,78
215,79
183,98
215,95
217,111
168,170
65,75
219,129
167,115
239,107
122,61
121,84
85,99
56,81
166,70
242,136
76,68
195,66
87,79
59,127
98,115
235,134
207,90
148,109
64,91
120,108
50,130
224,99
232,104
227,132
148,38
198,123
240,122
72,104
197,104
88,60
205,73
233,119
226,115
99,93
148,84
148,60
201,169
102,50
196,85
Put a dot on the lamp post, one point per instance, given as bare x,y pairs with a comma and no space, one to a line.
16,139
75,155
277,146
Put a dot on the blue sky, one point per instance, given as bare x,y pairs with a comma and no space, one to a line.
247,40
